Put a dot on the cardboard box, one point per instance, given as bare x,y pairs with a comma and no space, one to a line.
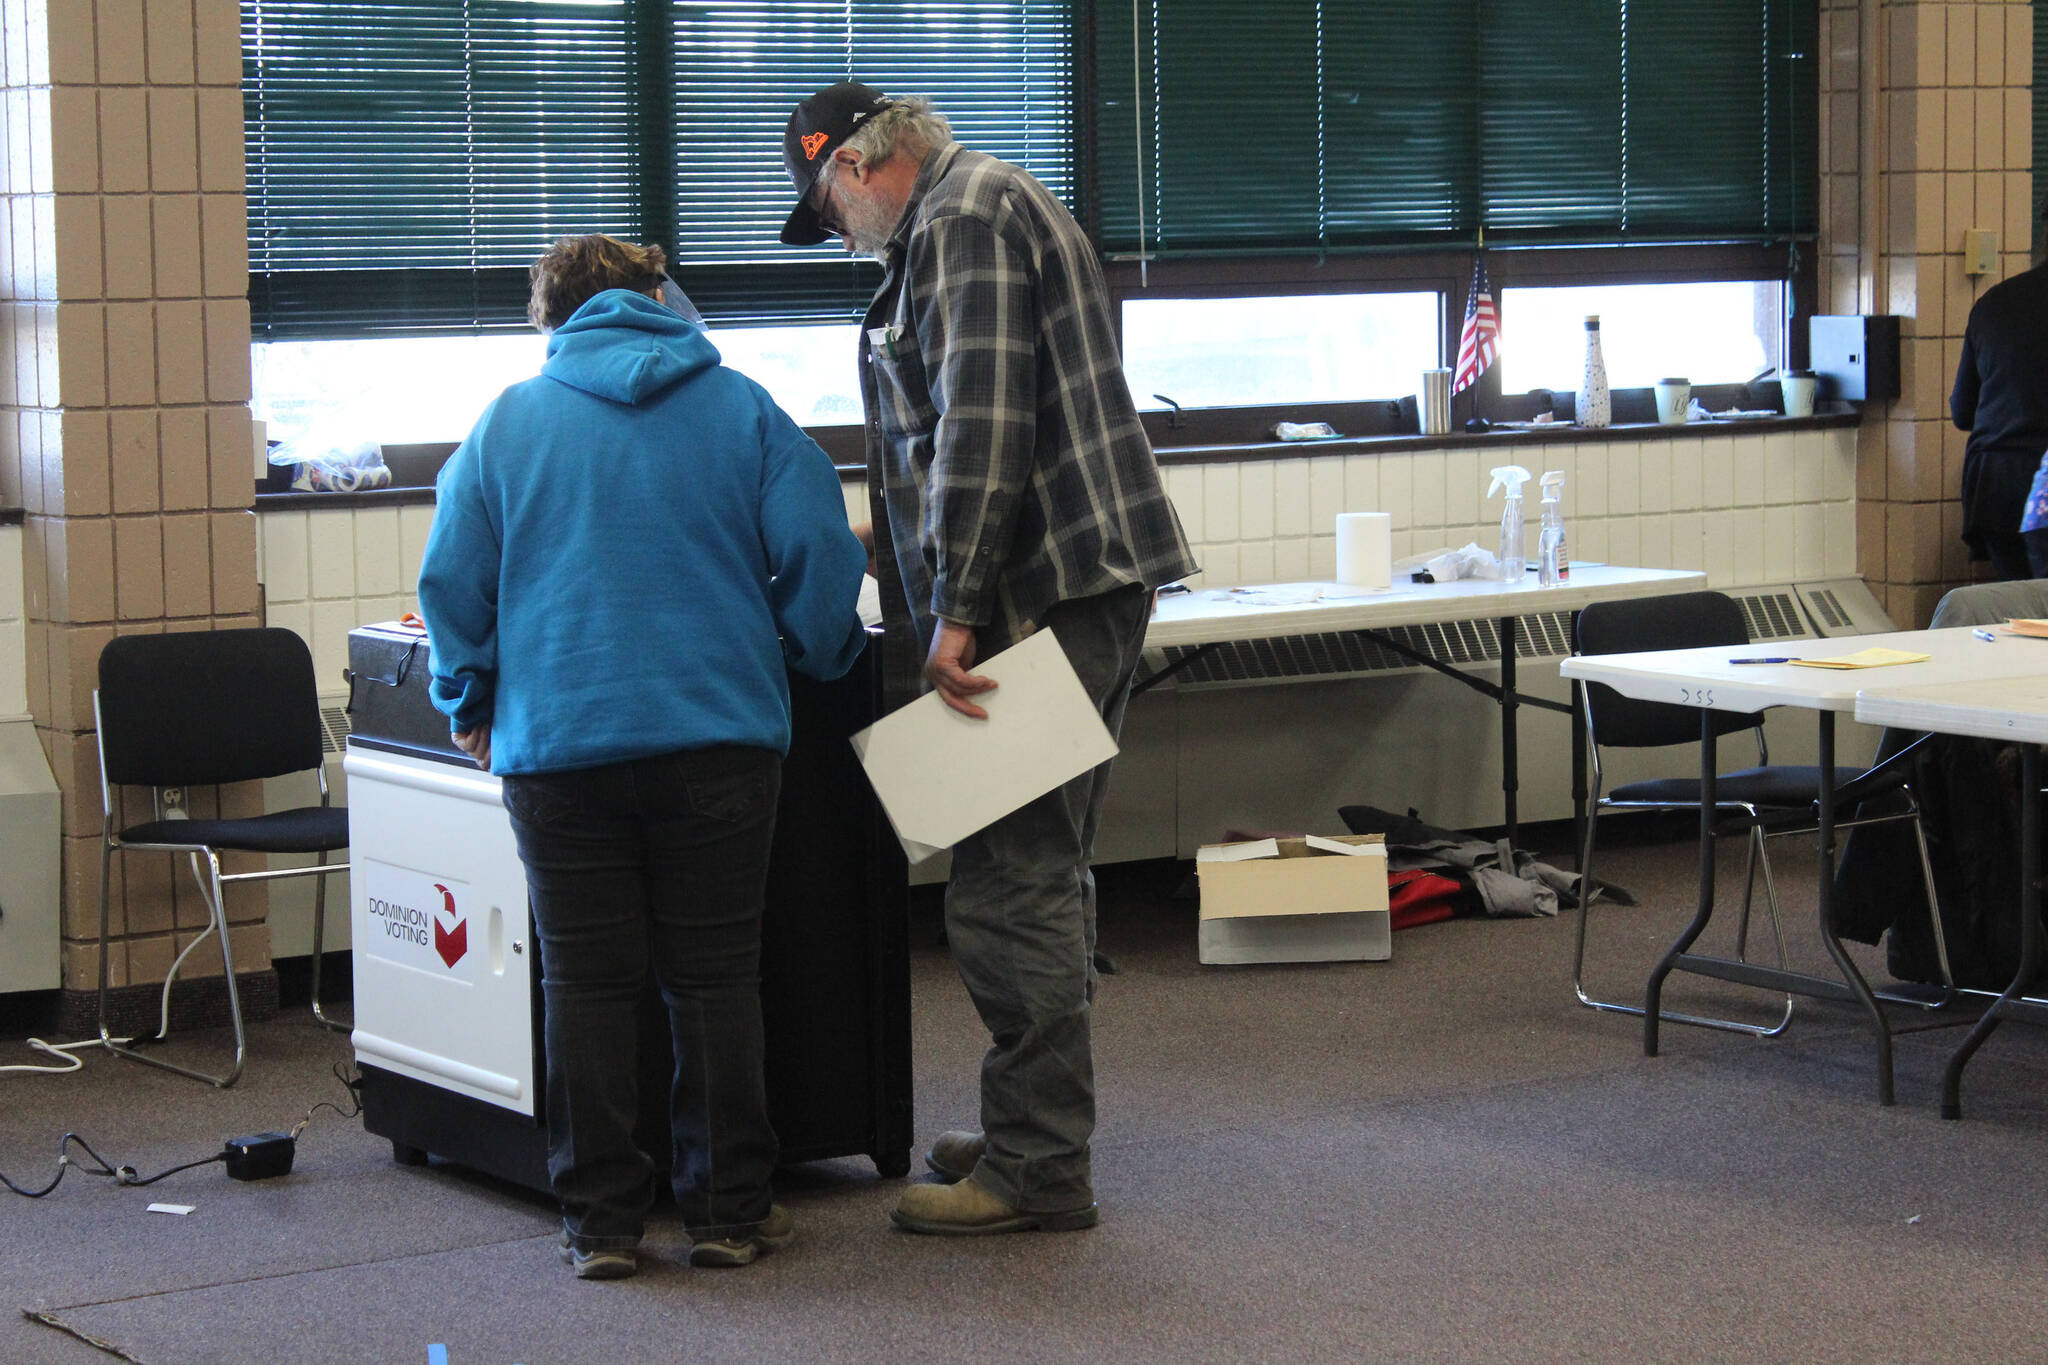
1295,900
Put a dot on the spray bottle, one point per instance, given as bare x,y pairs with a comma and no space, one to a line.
1513,563
1553,558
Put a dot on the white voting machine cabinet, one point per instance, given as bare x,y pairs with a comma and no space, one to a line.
442,988
450,1014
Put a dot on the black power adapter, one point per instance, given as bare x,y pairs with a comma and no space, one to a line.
260,1156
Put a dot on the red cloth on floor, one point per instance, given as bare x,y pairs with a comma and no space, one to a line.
1421,897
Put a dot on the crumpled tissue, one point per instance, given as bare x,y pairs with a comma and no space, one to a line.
1470,561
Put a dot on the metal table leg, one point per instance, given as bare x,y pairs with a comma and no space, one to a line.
2030,932
1579,790
1826,841
1653,993
1510,750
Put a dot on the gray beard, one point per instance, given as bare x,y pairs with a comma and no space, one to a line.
870,234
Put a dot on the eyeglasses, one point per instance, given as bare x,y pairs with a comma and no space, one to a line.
821,204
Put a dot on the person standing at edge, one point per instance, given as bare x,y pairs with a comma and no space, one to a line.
1013,490
628,553
2001,399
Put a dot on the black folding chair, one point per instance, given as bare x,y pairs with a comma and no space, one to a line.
200,708
1764,802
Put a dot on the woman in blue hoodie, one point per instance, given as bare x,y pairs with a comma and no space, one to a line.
627,553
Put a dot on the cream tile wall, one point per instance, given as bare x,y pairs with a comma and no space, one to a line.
13,628
1744,508
326,572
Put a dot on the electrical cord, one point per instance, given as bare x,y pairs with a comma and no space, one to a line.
128,1175
63,1052
123,1175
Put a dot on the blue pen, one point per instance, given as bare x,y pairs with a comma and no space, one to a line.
1783,660
1986,636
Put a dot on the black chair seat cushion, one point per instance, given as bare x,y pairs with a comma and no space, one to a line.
310,829
1780,785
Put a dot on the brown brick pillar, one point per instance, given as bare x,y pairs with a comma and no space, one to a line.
126,396
1946,145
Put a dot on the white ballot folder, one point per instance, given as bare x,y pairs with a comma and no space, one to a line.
942,776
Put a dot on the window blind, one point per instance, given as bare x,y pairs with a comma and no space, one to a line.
409,158
406,161
1312,124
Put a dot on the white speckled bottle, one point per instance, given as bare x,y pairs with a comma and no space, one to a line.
1594,409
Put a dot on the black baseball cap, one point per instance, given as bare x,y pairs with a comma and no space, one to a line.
815,131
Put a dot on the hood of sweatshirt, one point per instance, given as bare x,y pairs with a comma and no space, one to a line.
627,347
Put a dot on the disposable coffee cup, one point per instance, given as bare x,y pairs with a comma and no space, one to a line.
1433,403
1800,387
1674,397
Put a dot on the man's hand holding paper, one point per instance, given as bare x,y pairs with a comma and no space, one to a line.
946,665
942,776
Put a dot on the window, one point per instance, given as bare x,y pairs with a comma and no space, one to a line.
1726,332
409,158
1294,124
1309,177
432,389
388,390
1293,348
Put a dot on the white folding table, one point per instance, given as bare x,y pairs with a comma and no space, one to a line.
1706,678
2014,710
1209,617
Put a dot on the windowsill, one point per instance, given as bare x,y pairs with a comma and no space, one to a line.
410,495
1549,434
417,494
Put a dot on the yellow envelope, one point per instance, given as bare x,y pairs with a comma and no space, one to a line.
1864,658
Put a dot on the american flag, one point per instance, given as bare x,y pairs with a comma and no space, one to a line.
1480,340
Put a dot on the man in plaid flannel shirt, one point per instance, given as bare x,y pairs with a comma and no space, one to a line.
1013,490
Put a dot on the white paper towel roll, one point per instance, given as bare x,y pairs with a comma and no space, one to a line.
1365,549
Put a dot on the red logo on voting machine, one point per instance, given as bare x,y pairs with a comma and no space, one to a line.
451,944
812,142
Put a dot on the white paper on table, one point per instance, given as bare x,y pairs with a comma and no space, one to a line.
1350,850
942,776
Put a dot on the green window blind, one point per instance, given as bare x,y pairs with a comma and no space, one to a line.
1316,124
1000,70
408,160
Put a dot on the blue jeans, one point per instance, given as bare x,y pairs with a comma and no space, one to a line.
657,862
1020,918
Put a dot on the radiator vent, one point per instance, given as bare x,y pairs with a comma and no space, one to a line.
1774,616
1828,607
1833,607
1337,654
334,729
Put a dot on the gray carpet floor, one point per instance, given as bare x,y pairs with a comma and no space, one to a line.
1438,1158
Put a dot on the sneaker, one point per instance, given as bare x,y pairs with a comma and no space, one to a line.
967,1210
742,1248
615,1264
953,1155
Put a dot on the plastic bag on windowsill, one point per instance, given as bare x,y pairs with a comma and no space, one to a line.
323,462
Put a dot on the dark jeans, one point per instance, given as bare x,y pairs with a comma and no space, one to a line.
2020,555
660,861
1020,919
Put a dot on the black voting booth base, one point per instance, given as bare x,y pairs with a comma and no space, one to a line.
835,988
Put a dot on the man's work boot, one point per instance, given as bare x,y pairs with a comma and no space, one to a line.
952,1155
965,1209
